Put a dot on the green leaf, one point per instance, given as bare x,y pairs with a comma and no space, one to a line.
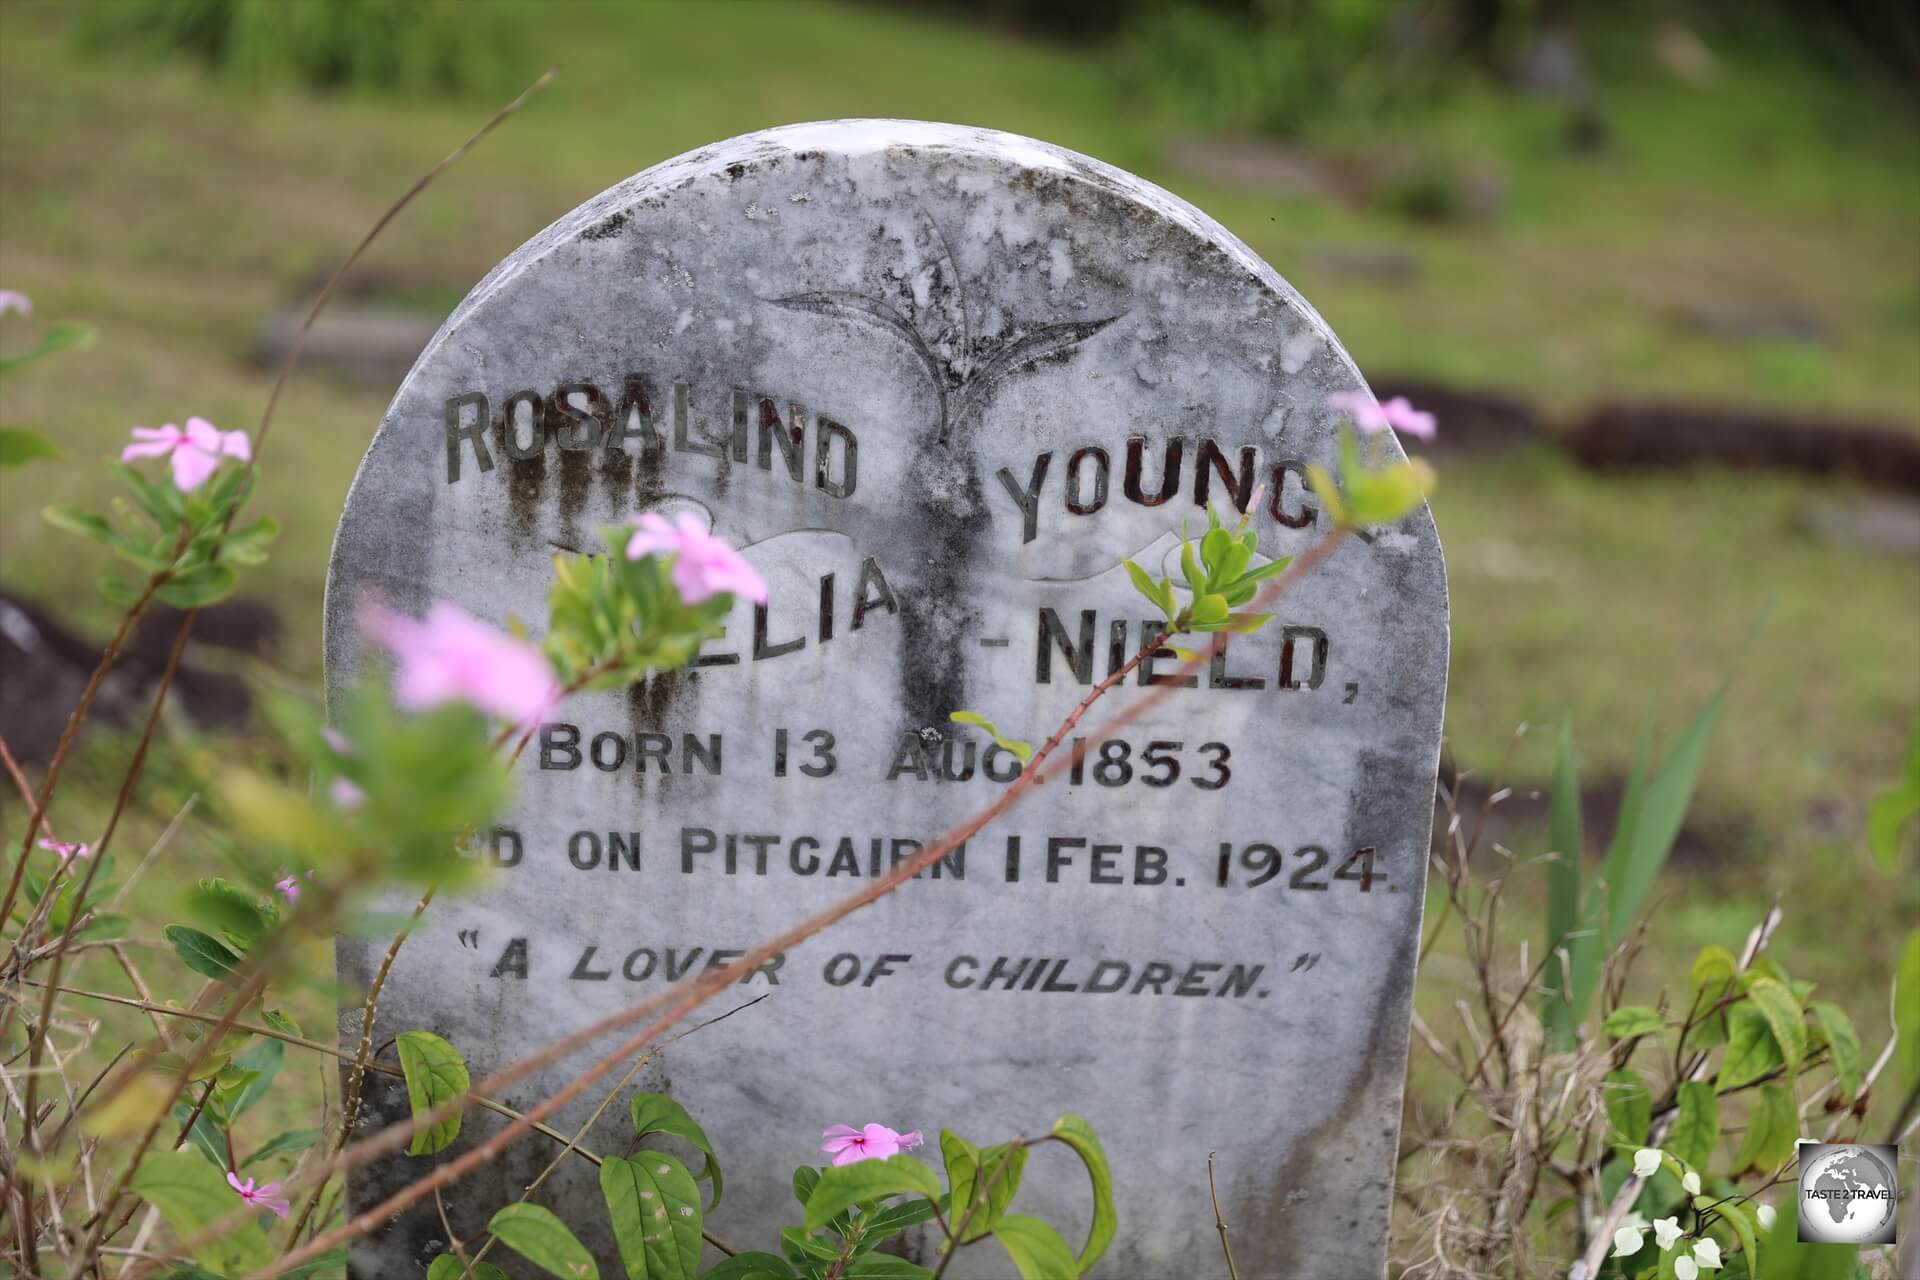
962,1161
805,1179
249,545
843,1186
60,337
1714,974
1906,1012
1036,1248
21,445
1271,569
654,1206
1751,1051
1696,1124
204,1134
1022,750
281,1022
802,1248
1784,1019
657,1113
292,1142
1773,1127
1190,568
998,1178
1214,546
1143,583
435,1074
542,1239
262,1064
1074,1130
74,520
191,1194
231,910
1208,610
1745,1226
198,587
200,953
1629,1107
890,1219
1849,1061
752,1266
1563,884
1631,1020
448,1267
880,1266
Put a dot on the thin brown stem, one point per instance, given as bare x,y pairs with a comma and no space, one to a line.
1219,1222
74,914
350,1107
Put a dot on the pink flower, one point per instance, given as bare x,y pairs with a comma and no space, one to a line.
290,888
346,795
1370,416
14,300
196,451
67,852
451,656
703,566
848,1145
266,1197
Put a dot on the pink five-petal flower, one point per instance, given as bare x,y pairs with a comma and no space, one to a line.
14,300
195,452
67,852
289,889
703,566
452,656
848,1145
266,1197
1370,416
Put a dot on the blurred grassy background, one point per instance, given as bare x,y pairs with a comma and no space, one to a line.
175,209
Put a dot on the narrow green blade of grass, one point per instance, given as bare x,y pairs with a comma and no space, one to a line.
1563,881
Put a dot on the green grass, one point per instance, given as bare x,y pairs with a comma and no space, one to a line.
174,210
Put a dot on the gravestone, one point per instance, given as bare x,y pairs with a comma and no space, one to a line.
937,382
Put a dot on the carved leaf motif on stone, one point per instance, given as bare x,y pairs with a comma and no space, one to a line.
938,302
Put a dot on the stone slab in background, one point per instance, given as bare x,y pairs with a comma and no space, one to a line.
937,381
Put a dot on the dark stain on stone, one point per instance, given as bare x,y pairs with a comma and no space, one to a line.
616,480
736,171
576,473
526,481
934,618
649,701
607,228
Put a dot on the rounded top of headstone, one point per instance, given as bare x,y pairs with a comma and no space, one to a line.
964,293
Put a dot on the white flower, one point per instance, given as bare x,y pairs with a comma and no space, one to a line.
1684,1268
1665,1232
1646,1162
1626,1242
1766,1215
1691,1182
1634,1220
1707,1254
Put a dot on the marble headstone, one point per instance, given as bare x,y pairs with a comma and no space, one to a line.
937,381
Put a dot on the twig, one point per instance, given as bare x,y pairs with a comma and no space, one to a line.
1220,1223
